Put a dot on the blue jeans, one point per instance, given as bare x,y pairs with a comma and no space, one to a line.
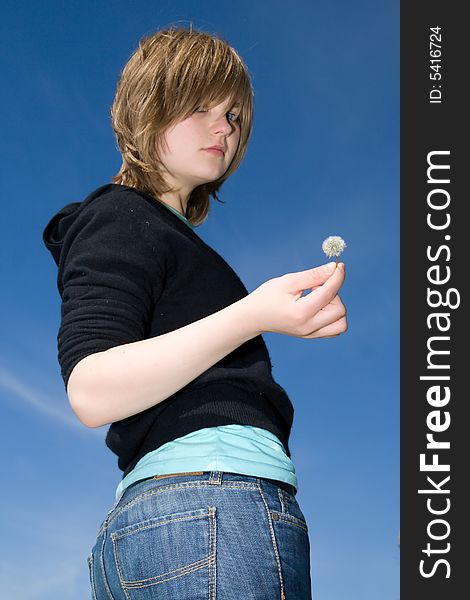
203,536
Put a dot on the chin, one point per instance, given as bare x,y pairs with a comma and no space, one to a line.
210,177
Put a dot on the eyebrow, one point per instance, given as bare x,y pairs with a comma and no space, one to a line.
237,104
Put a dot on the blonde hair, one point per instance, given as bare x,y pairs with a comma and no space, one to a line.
171,74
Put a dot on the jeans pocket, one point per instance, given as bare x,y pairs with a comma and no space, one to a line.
175,552
92,576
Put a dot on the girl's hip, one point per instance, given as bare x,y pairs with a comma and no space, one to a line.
199,535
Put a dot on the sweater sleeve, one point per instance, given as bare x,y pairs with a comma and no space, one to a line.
110,275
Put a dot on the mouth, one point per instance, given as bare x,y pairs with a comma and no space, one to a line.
215,151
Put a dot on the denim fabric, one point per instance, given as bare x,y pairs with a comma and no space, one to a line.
202,536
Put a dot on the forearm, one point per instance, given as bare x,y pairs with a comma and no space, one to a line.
109,386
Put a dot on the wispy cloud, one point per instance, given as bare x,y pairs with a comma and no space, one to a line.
22,391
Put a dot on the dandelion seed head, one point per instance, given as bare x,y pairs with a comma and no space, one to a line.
333,245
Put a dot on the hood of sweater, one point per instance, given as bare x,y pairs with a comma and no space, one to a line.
58,226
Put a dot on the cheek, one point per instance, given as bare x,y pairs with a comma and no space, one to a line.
178,137
189,129
236,141
189,142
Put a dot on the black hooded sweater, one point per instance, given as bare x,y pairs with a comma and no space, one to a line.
130,269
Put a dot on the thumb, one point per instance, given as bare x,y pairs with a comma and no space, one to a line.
302,280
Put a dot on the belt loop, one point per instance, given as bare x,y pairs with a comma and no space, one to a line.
215,478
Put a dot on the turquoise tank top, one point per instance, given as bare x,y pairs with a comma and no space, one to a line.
233,448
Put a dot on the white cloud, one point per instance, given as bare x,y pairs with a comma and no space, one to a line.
12,384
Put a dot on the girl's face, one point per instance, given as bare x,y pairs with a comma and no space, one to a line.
186,155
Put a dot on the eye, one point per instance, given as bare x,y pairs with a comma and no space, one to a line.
201,109
232,117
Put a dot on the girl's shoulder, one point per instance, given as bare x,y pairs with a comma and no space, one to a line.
118,200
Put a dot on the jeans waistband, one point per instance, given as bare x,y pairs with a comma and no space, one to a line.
219,475
287,487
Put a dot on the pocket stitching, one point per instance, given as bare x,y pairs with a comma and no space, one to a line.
151,524
207,561
273,539
143,583
278,516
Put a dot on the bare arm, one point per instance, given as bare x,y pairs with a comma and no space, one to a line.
124,380
108,386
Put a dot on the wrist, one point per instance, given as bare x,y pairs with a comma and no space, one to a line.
248,317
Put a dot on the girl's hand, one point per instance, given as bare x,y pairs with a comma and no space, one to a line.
278,306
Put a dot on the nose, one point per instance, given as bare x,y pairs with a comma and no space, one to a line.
223,126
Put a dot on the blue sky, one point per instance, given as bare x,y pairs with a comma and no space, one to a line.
323,160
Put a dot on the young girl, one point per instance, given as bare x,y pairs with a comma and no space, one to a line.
161,339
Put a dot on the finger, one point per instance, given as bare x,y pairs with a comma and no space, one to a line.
337,302
333,330
324,294
331,313
336,299
303,280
